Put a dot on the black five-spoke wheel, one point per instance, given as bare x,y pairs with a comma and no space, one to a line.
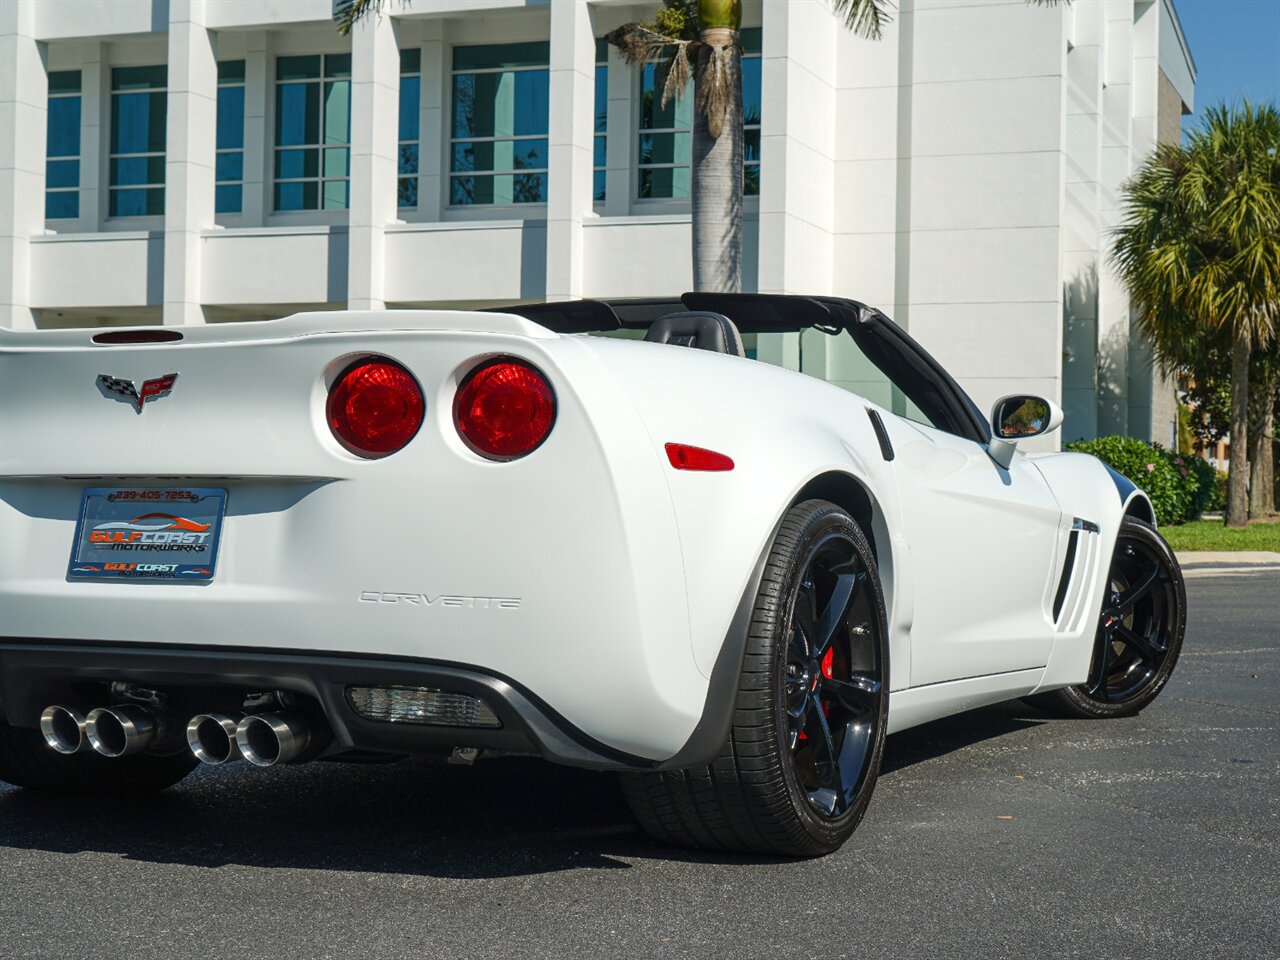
832,677
800,763
1139,633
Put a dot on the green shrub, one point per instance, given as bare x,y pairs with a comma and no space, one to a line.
1201,477
1148,467
1218,500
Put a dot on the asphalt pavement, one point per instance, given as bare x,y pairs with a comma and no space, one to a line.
1000,833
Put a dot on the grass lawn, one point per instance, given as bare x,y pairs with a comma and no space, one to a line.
1213,535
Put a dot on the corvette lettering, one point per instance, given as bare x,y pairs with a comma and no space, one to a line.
426,600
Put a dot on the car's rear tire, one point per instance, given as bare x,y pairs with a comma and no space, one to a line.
1139,636
27,761
803,754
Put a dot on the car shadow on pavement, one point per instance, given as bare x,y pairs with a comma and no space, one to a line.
501,817
955,733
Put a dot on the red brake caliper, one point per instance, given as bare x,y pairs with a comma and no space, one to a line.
826,672
826,669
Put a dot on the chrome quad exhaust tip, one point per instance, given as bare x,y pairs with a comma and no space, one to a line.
64,729
266,739
212,737
124,729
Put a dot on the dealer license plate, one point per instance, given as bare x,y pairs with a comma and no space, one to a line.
147,534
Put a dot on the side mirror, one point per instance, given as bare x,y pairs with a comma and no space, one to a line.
1019,417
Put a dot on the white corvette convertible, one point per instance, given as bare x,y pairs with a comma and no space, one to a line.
361,535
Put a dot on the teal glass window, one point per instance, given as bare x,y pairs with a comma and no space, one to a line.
311,168
665,140
601,122
498,137
62,147
228,191
666,132
410,103
136,163
751,104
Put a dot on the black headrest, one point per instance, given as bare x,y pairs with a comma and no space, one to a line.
701,329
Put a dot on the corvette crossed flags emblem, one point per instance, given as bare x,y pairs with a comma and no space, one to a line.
128,390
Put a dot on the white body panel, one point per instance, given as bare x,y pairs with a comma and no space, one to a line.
628,573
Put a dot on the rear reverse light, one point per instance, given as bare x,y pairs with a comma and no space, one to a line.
438,708
504,409
685,457
375,407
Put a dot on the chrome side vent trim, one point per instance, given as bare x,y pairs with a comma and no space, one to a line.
1065,581
1071,602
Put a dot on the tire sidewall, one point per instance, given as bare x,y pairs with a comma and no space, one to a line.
1087,705
823,520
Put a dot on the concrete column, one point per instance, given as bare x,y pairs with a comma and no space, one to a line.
95,136
375,93
620,137
432,180
257,138
573,56
1082,242
1113,299
797,170
24,98
189,158
93,127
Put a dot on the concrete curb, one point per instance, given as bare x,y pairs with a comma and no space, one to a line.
1229,558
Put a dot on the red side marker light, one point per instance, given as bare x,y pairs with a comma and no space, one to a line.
685,457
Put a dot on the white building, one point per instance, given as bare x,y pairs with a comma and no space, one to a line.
196,161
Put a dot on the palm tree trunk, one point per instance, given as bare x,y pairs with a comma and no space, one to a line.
716,187
1262,483
1237,482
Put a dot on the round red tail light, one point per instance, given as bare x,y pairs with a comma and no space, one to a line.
375,407
504,409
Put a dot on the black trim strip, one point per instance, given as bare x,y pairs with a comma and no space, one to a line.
1067,569
882,435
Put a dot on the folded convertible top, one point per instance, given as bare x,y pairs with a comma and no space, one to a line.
751,312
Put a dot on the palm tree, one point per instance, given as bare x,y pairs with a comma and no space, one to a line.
1199,250
699,39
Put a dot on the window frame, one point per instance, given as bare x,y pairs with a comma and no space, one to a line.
113,156
757,127
242,83
448,173
638,132
319,212
600,136
416,176
78,156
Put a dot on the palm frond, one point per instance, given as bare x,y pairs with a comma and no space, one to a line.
639,43
675,73
715,87
866,18
347,13
1198,247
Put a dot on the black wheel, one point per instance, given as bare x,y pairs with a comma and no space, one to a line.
1139,632
798,770
27,761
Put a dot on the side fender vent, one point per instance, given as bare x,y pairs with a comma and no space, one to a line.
882,435
1067,568
1078,571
